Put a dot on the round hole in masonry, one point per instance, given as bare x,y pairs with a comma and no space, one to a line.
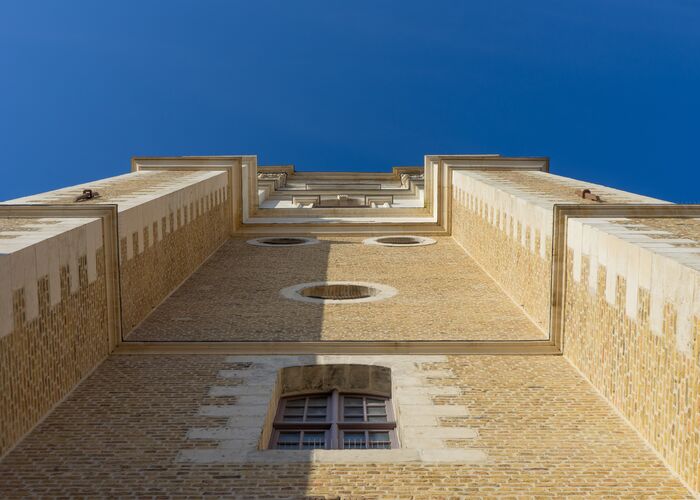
400,241
282,241
338,292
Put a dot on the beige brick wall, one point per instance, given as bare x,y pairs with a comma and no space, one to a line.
235,295
165,252
53,301
42,358
643,374
543,428
515,254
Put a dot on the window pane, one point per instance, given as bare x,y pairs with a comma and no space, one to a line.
287,440
289,436
376,410
352,401
354,411
293,419
379,440
318,401
321,418
353,440
314,440
354,419
294,411
316,411
296,402
375,401
376,418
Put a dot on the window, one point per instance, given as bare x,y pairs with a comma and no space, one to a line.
334,421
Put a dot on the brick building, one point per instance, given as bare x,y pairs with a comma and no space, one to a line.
476,326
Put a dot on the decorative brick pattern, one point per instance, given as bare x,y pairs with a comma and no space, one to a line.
545,430
41,360
644,375
495,240
171,251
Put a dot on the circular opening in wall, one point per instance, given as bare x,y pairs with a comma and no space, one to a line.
338,292
282,241
400,241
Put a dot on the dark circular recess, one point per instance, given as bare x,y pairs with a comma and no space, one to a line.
399,240
338,292
283,241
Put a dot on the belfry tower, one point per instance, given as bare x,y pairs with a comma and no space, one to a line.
475,326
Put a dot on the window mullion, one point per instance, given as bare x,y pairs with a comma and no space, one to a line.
335,417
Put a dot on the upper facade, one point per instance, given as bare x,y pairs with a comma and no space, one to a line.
465,254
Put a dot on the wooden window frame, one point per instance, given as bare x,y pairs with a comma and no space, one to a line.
334,426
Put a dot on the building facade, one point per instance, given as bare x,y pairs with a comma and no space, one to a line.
476,326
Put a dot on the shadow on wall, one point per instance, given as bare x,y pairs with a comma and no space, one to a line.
433,292
235,296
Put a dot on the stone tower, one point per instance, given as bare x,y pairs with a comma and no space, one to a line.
475,326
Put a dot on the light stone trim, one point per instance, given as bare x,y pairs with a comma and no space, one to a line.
292,292
612,254
420,241
422,438
92,227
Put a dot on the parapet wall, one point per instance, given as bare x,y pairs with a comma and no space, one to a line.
165,238
53,315
509,235
503,219
632,294
54,300
632,320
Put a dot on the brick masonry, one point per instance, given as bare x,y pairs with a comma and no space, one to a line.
166,252
43,358
643,374
516,255
545,431
235,295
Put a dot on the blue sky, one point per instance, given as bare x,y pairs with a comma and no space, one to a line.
609,90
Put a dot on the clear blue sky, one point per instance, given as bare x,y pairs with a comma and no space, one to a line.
608,89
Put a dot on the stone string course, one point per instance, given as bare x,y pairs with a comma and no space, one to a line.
43,358
653,383
545,430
